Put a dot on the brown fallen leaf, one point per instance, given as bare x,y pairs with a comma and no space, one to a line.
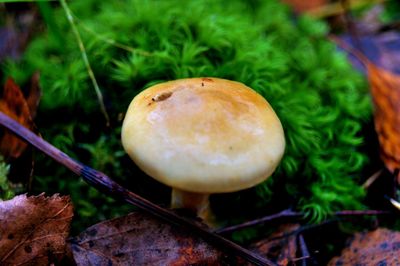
34,95
139,239
385,90
301,6
379,247
280,249
33,230
13,104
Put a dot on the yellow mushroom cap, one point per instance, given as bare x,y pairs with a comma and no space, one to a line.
204,135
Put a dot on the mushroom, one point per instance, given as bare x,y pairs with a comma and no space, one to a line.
202,136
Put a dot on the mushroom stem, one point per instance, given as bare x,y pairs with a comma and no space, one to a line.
195,202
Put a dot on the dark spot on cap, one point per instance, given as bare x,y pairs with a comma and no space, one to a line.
384,245
10,236
28,249
162,96
91,243
202,84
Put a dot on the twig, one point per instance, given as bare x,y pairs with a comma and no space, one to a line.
357,54
351,27
284,213
289,213
86,60
112,41
106,184
361,212
394,202
334,8
304,251
305,228
372,179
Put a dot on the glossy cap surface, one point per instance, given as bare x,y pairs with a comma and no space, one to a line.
204,135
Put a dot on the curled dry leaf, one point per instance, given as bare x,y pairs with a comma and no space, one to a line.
379,247
33,230
385,90
277,247
139,239
301,6
34,95
13,104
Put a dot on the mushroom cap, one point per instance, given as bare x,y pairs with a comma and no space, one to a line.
204,135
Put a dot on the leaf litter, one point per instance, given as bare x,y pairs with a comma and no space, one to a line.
378,247
279,247
140,239
385,90
14,104
33,230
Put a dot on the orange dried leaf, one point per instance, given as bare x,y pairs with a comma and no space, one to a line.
385,90
139,239
302,6
33,230
379,247
34,95
14,105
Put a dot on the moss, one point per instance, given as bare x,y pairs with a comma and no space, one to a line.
319,98
6,190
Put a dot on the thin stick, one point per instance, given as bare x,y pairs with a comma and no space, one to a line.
112,41
358,54
306,228
289,213
351,27
102,182
284,213
334,8
86,60
372,179
361,212
305,254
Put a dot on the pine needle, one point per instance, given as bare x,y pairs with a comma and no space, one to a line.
113,42
86,60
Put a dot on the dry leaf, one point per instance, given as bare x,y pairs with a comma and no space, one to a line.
302,6
385,90
139,239
13,104
34,95
33,230
379,247
280,249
